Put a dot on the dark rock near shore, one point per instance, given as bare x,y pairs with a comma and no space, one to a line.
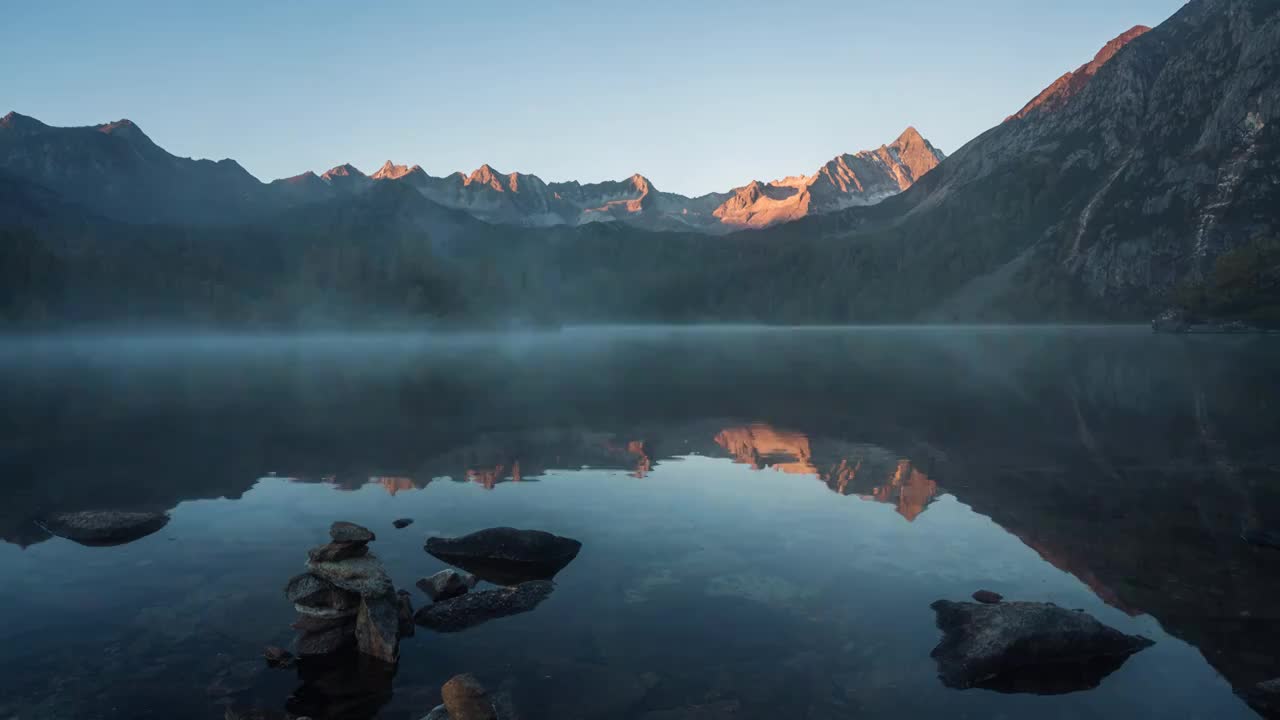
507,556
1027,647
336,551
378,628
103,528
346,532
988,597
473,609
402,523
446,584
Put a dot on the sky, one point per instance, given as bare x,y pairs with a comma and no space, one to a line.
697,95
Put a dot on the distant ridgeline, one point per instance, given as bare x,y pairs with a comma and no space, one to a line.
1147,178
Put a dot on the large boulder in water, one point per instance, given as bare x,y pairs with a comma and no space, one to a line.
466,611
507,556
1027,647
100,528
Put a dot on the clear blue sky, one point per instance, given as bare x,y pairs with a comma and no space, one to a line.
697,95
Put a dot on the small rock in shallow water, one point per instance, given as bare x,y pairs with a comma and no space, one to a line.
364,575
472,609
346,532
404,608
988,597
402,523
466,699
378,628
278,657
1027,647
507,556
446,584
104,527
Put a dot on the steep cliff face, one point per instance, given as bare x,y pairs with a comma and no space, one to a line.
1109,190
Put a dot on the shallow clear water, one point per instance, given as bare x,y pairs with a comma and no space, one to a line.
766,514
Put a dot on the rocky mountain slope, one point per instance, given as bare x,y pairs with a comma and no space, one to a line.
116,170
1100,198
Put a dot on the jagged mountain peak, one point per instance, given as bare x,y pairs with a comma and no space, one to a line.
128,130
344,170
1072,83
300,179
391,171
17,121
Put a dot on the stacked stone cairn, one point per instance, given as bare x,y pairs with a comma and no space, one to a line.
346,596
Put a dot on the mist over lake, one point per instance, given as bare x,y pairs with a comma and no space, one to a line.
766,514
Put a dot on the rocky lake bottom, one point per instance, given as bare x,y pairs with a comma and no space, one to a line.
765,515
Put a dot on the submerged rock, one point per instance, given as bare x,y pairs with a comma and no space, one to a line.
446,584
1027,647
988,597
466,699
466,611
402,523
347,532
507,556
364,575
378,628
101,528
278,657
335,551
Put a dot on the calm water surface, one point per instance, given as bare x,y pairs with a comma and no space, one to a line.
766,515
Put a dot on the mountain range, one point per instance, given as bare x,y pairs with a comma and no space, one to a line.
115,169
1146,176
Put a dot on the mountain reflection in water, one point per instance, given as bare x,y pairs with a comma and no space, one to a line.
1131,462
